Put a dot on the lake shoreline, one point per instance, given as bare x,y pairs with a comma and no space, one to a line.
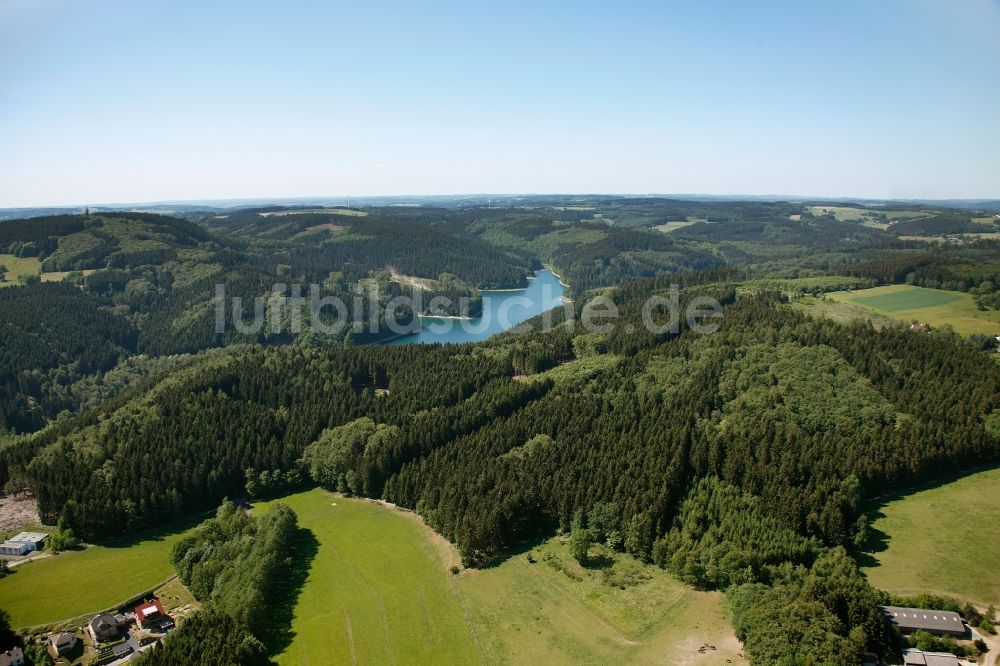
538,297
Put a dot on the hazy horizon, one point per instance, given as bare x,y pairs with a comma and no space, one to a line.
497,198
153,102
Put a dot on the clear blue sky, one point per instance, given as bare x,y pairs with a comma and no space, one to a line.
155,100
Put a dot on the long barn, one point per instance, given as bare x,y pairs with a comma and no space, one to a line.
942,623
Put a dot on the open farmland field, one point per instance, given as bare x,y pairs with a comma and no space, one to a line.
842,213
941,540
674,225
380,590
934,306
76,583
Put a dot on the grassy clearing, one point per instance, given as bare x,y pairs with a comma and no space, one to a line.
941,540
554,611
934,306
674,225
59,276
380,591
71,584
17,267
839,311
841,213
852,214
577,369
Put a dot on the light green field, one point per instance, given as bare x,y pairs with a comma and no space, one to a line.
841,213
72,584
840,311
942,540
934,306
380,591
18,266
554,611
849,213
674,225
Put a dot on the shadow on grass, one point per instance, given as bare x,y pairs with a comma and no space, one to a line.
157,534
598,561
517,549
878,542
278,635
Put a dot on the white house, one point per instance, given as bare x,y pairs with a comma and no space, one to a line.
23,543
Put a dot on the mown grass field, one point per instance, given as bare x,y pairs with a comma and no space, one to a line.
380,591
943,540
934,306
71,584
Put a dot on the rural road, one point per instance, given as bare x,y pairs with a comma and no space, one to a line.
993,642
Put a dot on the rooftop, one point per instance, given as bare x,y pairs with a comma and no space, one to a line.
918,658
29,537
928,620
11,656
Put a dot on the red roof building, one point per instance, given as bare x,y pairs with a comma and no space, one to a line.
149,613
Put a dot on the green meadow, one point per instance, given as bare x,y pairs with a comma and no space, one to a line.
382,587
942,540
937,307
380,590
75,583
18,266
541,606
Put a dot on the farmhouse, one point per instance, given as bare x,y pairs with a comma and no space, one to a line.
106,627
942,623
151,615
913,657
63,643
12,657
23,543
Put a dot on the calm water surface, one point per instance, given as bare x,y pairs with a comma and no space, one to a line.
501,310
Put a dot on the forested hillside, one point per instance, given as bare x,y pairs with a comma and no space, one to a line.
737,460
790,422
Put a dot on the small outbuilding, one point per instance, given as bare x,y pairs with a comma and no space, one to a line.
913,657
23,543
941,623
